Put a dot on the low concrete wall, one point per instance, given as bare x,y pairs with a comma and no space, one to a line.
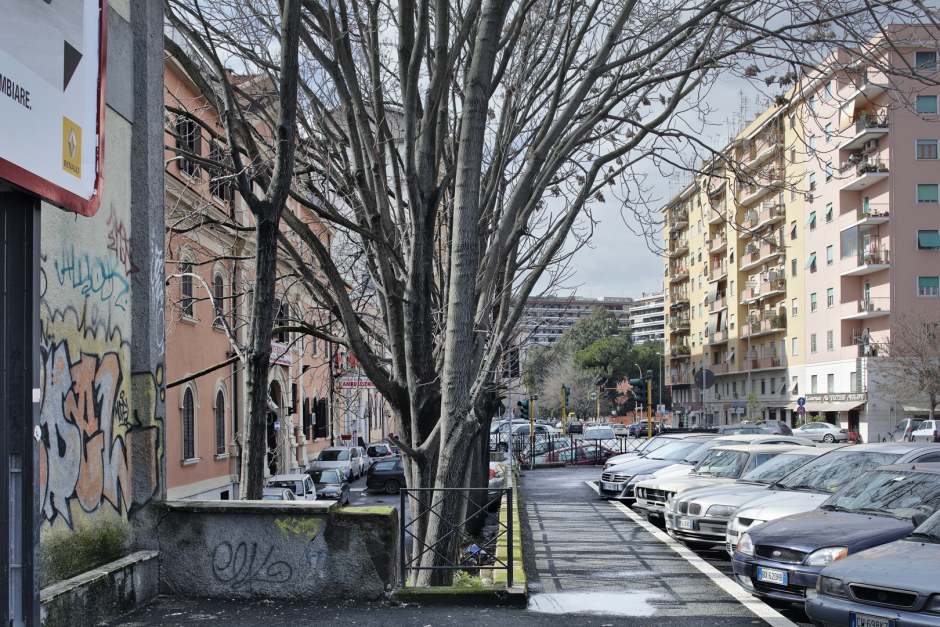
277,550
102,594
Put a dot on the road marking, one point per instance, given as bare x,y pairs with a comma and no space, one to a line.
758,607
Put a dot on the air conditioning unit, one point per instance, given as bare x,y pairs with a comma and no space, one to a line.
871,144
734,394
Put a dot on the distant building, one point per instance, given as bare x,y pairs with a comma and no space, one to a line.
648,318
546,319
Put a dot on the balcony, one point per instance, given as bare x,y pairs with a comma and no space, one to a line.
750,220
678,220
678,248
868,262
871,214
866,175
764,324
718,337
749,293
681,379
771,213
724,368
717,244
718,271
864,86
762,363
719,303
754,256
866,128
679,325
864,308
679,299
766,181
772,287
717,215
678,274
680,351
767,145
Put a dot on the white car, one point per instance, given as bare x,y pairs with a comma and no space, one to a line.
346,459
277,494
598,433
300,485
620,430
927,431
648,446
822,432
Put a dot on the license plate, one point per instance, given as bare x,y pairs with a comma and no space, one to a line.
685,523
772,576
610,486
865,620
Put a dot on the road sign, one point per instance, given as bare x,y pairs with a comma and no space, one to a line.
801,410
661,409
704,379
686,406
801,401
593,396
52,77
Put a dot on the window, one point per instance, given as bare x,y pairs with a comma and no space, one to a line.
812,301
186,289
811,104
220,423
731,289
928,240
763,388
927,105
928,286
793,193
811,223
793,307
927,193
829,212
829,342
792,121
812,345
926,148
796,350
829,257
814,384
812,144
848,239
218,289
220,189
313,347
190,138
282,319
811,264
827,91
831,383
793,230
828,171
830,297
829,132
793,268
926,61
189,425
796,385
812,184
853,378
773,385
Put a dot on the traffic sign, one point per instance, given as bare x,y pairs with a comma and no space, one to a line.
801,410
801,401
593,396
686,406
704,379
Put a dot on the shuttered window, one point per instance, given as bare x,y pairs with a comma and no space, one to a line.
219,423
189,425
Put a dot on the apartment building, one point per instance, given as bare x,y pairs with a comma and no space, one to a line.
545,319
648,318
788,260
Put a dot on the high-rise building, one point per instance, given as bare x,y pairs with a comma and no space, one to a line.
648,318
545,319
783,263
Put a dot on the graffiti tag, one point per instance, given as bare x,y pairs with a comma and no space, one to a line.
120,244
93,275
236,565
299,526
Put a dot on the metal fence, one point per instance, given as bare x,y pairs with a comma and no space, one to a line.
425,503
573,450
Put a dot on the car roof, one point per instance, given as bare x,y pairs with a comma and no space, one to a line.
286,478
893,447
683,436
758,448
337,448
933,467
274,490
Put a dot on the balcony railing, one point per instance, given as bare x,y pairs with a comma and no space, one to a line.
717,271
677,247
872,210
869,307
680,350
716,214
772,213
679,379
719,303
678,324
871,121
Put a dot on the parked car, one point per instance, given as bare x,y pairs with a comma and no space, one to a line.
616,479
737,430
579,455
330,484
782,559
620,430
927,431
905,429
699,518
574,426
375,452
642,429
872,588
822,432
808,487
648,446
301,485
722,465
339,458
598,432
776,427
387,475
496,484
277,494
520,433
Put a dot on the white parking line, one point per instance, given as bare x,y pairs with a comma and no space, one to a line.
760,609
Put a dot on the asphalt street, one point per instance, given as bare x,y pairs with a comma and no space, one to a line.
588,564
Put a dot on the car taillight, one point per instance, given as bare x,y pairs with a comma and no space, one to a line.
842,431
934,433
492,473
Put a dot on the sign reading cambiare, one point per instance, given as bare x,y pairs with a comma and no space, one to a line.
52,77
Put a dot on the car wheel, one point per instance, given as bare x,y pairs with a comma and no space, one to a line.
829,438
391,486
907,438
502,448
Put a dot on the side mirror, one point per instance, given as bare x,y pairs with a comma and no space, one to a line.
918,519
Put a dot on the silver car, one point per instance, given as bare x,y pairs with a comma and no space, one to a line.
822,432
345,459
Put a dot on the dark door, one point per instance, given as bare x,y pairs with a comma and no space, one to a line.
19,382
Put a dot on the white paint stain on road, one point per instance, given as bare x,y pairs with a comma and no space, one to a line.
605,603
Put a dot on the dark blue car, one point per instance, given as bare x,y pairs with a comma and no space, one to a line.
780,560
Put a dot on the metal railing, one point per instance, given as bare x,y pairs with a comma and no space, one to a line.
872,210
874,257
423,510
871,121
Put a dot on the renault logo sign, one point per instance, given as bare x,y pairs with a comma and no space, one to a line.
776,554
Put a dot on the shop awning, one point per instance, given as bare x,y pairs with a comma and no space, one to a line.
836,406
918,409
791,406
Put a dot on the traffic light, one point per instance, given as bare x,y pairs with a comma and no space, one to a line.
523,409
565,395
638,383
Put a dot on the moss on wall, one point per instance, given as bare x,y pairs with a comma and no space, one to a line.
91,542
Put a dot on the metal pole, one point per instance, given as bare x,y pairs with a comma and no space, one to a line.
401,550
531,431
509,539
511,416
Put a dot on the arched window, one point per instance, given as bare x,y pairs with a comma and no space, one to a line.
186,289
218,289
282,319
189,425
220,423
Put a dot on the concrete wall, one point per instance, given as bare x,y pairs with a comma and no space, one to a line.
102,345
293,550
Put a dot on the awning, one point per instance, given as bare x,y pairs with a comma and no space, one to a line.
928,239
812,260
840,406
917,409
791,406
812,218
712,293
713,322
848,113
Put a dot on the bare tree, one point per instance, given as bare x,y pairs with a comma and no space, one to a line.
909,365
460,150
581,382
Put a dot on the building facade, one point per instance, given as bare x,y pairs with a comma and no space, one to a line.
788,260
648,318
545,319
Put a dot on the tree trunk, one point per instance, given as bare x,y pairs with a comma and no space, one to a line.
479,478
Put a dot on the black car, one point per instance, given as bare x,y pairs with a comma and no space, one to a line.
574,426
330,484
387,475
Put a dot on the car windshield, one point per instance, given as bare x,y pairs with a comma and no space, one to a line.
829,472
324,476
271,497
334,456
930,529
599,434
375,451
723,463
777,468
385,466
287,485
891,492
699,454
651,445
679,449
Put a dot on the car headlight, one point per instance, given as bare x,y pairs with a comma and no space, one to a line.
330,495
721,511
671,503
933,605
824,557
745,546
831,586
